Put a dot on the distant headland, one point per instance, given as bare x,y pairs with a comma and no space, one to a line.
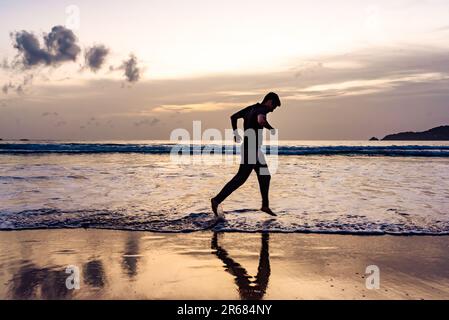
438,133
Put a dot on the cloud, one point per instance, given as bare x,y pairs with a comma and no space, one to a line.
388,70
28,79
18,87
30,49
307,67
132,71
363,86
194,107
60,45
95,57
6,87
409,83
147,122
5,64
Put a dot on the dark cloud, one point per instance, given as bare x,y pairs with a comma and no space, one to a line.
95,57
60,45
30,49
132,71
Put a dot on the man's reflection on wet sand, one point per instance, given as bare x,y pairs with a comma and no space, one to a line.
94,273
248,289
32,282
131,255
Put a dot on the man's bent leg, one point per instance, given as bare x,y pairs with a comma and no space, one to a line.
239,179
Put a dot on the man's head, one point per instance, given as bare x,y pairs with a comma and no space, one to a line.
271,101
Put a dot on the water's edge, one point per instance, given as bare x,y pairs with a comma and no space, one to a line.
286,150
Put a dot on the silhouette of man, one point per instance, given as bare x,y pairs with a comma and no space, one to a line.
252,158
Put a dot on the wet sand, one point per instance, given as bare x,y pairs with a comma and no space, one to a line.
204,265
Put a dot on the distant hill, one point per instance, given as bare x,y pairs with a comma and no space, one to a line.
438,133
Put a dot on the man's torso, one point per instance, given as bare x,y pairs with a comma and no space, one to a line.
253,138
250,116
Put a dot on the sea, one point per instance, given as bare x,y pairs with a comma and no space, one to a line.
344,187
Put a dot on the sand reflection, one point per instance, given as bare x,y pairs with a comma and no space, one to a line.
250,288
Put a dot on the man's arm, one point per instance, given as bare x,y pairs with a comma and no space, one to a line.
238,115
262,120
234,118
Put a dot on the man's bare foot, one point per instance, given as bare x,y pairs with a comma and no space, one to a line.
214,205
268,210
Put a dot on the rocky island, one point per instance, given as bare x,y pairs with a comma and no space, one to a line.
438,133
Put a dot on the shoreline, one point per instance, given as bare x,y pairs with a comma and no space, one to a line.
229,265
303,232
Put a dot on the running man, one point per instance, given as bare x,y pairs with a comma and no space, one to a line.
252,158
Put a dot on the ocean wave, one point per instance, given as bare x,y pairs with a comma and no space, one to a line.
200,221
95,148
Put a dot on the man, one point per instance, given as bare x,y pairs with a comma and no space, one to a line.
255,119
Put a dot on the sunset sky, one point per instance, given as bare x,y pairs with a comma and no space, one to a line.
343,69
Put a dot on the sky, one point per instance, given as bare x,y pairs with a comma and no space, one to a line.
136,70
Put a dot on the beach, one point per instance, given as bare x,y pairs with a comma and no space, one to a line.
207,265
126,220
